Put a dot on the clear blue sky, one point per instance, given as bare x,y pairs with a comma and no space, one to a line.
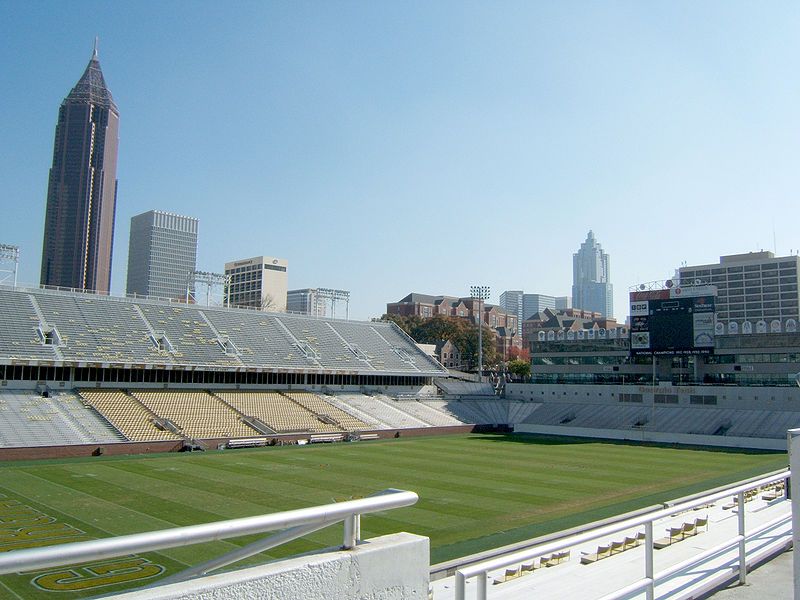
390,147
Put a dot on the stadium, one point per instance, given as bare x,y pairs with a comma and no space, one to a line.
132,428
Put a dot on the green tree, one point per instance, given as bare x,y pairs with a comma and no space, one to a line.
457,330
520,368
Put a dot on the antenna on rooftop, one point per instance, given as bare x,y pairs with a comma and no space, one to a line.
774,239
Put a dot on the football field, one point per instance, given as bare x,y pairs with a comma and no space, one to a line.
476,492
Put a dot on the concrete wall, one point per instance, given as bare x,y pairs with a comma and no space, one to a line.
723,441
391,567
738,397
117,448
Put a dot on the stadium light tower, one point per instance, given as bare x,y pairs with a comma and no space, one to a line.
9,259
481,294
209,280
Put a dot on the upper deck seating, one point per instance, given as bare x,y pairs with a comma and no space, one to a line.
192,339
18,325
259,338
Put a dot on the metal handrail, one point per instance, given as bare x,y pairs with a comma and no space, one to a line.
310,519
481,570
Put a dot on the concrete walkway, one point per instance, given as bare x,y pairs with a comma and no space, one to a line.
573,580
770,581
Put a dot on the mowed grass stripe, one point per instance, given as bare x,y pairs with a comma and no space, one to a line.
476,491
183,506
101,518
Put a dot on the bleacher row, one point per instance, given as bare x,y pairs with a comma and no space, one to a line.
116,330
756,423
99,415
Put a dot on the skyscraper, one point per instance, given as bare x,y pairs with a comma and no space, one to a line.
82,191
591,274
512,301
161,254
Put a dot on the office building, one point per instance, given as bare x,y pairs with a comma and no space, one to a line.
536,303
82,190
524,306
503,324
511,302
260,282
755,291
563,302
161,255
591,278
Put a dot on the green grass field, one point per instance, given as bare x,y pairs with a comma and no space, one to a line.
476,492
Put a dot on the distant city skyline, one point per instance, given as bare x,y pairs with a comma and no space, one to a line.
382,148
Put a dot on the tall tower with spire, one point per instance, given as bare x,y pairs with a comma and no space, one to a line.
591,278
82,191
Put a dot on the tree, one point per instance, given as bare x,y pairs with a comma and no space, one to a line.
519,353
461,332
520,368
268,302
407,324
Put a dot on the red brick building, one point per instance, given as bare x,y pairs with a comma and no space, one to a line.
503,324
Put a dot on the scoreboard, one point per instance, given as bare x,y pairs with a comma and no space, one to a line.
672,322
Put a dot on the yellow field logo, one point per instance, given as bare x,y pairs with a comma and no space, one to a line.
23,526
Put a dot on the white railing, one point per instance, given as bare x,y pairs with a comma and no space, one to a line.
293,524
651,578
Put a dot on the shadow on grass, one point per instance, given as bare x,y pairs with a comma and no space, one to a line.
557,440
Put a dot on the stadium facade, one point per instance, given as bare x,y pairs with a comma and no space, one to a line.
151,376
161,255
82,189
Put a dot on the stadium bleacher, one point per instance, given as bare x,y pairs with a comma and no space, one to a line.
278,411
321,376
18,338
260,340
321,407
28,419
127,414
757,423
198,414
121,330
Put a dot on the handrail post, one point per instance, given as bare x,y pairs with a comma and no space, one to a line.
483,585
649,569
350,528
742,551
793,491
461,584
